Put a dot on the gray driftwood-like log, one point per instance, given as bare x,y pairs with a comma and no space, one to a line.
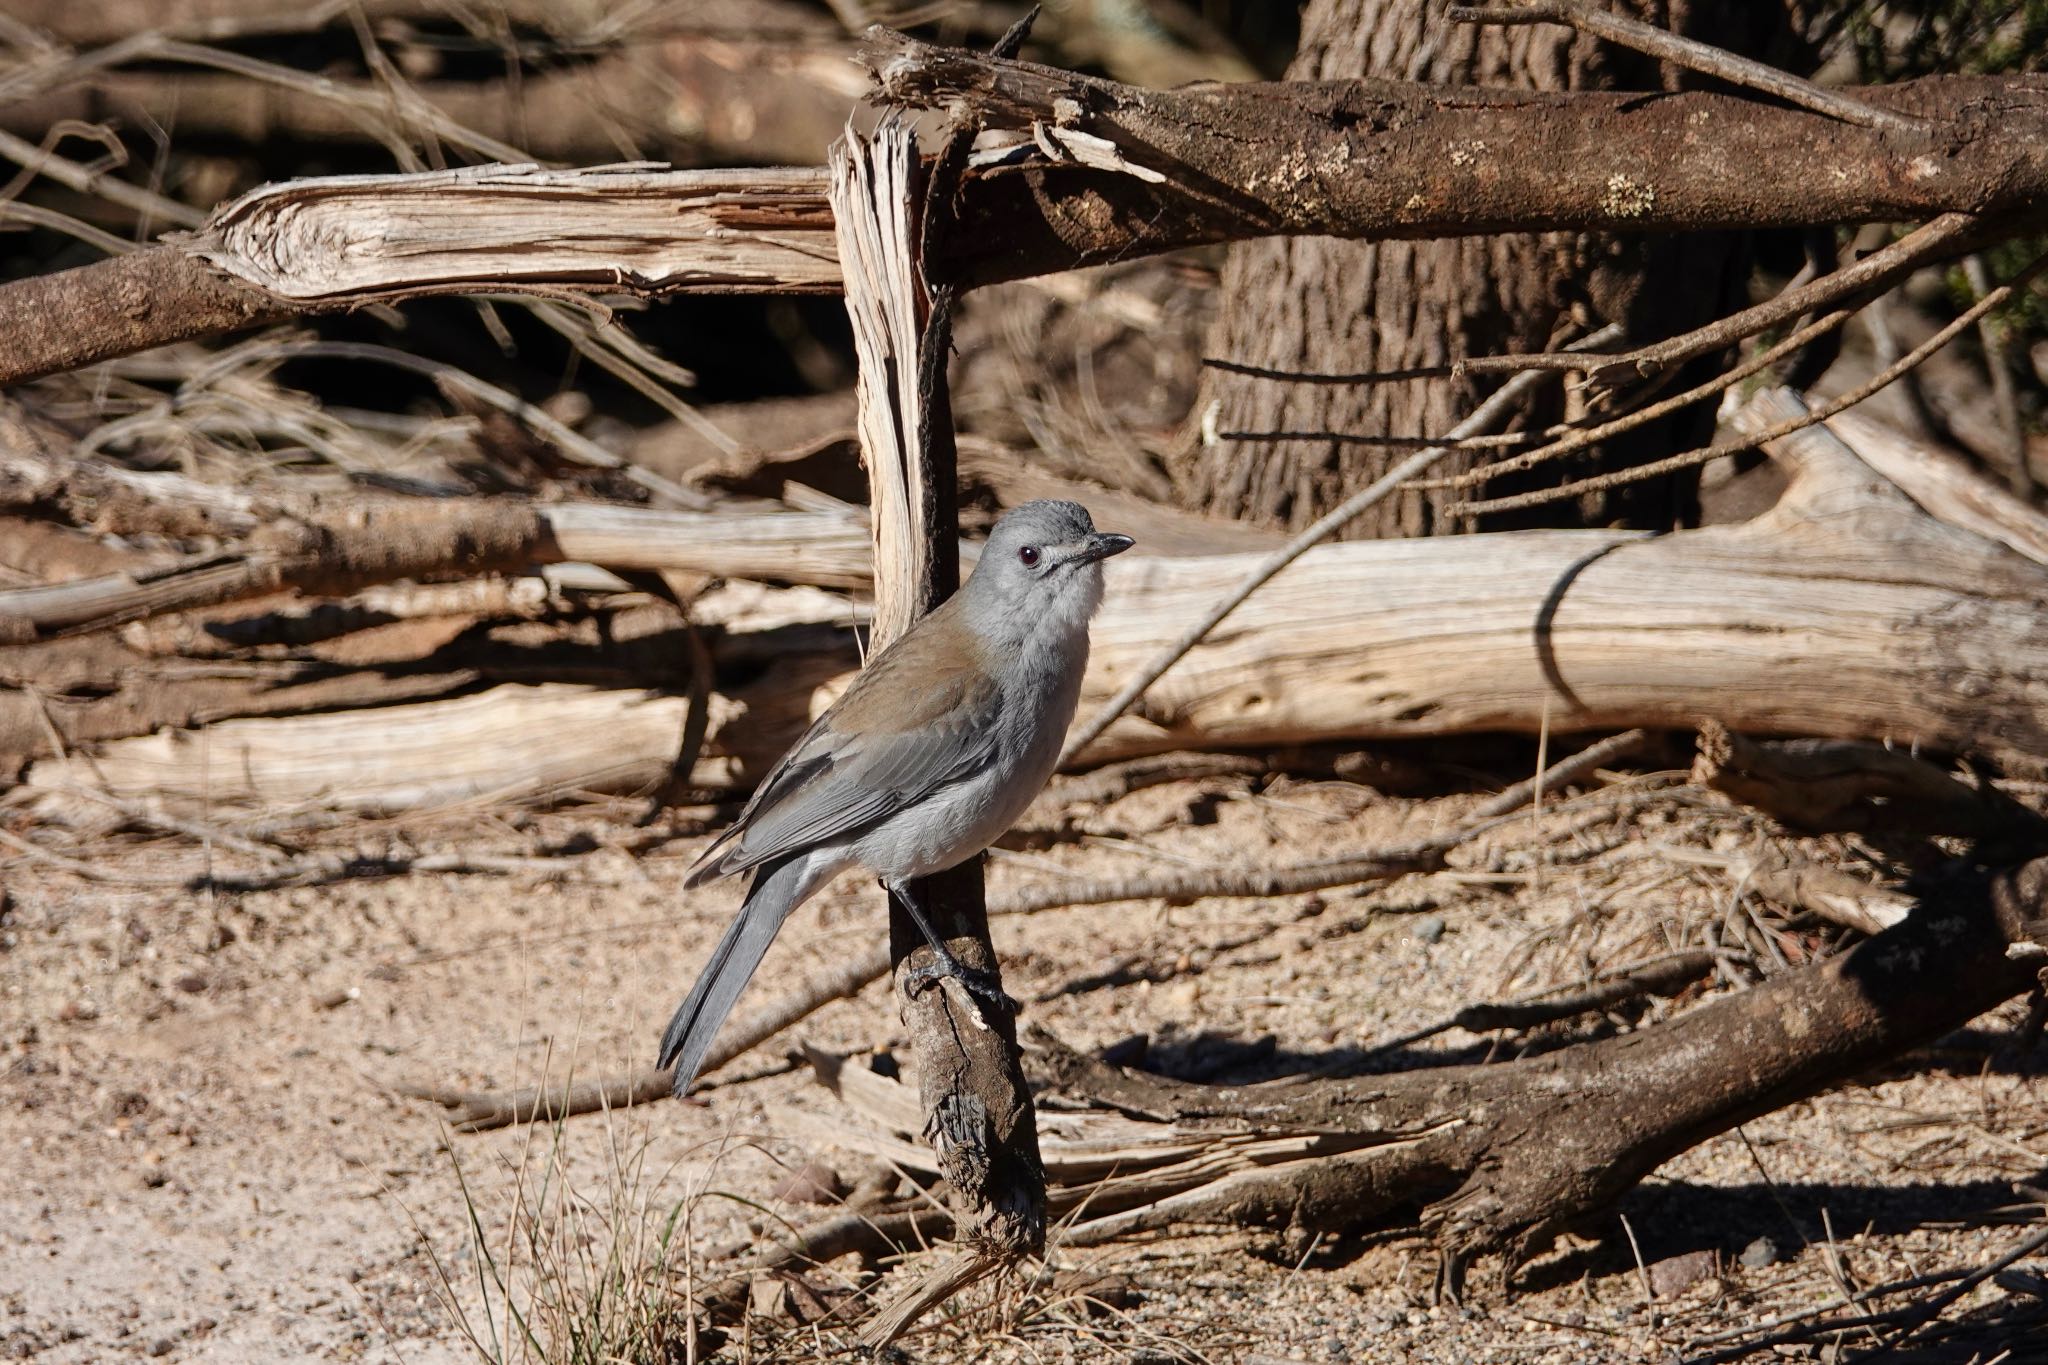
1099,171
1845,612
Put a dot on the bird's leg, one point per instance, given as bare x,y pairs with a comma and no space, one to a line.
943,962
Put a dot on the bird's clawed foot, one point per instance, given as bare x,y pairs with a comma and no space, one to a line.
982,985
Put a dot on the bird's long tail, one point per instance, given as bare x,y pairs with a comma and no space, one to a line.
777,889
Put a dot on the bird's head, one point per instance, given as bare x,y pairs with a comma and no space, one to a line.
1040,570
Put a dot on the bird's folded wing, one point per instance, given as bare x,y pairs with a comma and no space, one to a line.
900,732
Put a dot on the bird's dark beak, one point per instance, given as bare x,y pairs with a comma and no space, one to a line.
1103,544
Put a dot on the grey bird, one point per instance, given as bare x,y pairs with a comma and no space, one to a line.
936,749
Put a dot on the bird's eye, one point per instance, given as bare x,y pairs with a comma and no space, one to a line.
1029,554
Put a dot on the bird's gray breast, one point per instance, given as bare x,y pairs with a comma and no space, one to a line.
1040,689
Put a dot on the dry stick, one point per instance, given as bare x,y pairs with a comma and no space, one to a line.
1912,1317
476,1112
73,176
2004,392
1687,459
1689,53
978,1115
1662,976
1930,241
37,216
1513,438
1496,406
1582,439
1927,242
572,444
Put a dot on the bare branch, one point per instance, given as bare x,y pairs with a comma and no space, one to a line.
1688,459
1689,53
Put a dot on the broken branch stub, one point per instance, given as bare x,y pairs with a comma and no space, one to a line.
978,1115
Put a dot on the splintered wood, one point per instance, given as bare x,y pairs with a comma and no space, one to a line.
977,1112
631,229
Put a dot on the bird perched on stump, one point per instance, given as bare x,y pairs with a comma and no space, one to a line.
937,747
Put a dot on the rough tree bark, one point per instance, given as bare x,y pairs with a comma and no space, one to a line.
1323,305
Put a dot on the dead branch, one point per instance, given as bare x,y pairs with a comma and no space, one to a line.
1372,158
74,318
289,542
978,1116
1757,435
1686,52
1842,291
336,243
1500,1158
1852,786
1666,976
1949,487
1829,894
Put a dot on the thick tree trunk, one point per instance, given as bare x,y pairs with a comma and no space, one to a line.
1330,306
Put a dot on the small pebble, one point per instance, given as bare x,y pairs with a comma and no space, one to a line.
1760,1253
1429,929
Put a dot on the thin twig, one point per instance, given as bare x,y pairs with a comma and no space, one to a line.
572,444
1508,439
1687,459
85,180
1900,258
1486,415
1590,436
1689,53
2004,393
37,216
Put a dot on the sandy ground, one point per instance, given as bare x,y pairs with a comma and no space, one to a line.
205,1160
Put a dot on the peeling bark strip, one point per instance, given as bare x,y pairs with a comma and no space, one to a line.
1121,172
978,1116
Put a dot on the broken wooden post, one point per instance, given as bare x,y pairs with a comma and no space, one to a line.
977,1109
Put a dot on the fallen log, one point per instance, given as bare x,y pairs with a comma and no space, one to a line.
337,546
1845,612
1123,172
